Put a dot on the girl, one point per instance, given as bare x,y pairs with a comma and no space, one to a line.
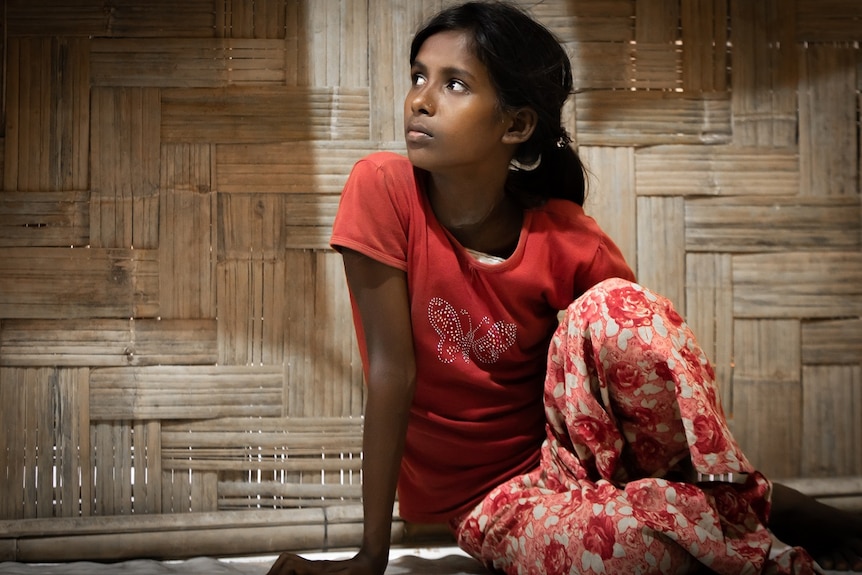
608,453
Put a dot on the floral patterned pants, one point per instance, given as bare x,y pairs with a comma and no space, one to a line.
639,472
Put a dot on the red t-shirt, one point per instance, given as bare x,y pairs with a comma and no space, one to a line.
480,331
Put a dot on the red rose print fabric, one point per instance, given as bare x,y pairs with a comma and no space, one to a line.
633,417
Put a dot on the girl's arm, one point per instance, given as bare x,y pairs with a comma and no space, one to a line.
380,294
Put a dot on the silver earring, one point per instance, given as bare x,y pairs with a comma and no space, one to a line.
517,166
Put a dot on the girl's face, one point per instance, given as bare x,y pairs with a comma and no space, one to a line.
452,119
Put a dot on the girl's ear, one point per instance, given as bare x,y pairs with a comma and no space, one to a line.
523,123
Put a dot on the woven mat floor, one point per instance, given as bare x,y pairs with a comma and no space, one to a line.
414,561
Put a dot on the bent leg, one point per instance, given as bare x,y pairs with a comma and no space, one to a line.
527,527
632,392
633,416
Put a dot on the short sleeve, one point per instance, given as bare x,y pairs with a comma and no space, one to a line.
373,215
608,262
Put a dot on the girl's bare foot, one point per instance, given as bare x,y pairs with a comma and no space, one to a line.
833,537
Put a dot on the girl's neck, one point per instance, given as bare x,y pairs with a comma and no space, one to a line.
479,214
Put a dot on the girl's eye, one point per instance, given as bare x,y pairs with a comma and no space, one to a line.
418,80
456,86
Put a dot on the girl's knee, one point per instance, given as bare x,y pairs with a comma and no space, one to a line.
616,304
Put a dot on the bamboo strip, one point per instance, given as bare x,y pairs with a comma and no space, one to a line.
12,102
2,146
32,402
11,444
260,114
328,27
765,73
186,62
798,285
69,128
44,219
187,231
772,224
656,67
317,167
124,445
353,53
828,20
71,283
602,65
176,536
172,544
657,21
352,387
125,167
299,348
661,247
219,461
388,65
716,170
55,18
49,122
70,429
587,20
319,277
162,18
178,486
611,196
41,127
766,424
273,306
294,41
102,343
322,426
166,392
709,299
274,489
704,41
656,59
832,420
47,396
254,333
645,118
767,394
251,225
828,142
256,502
204,492
767,349
314,442
104,501
33,85
309,220
128,525
329,399
833,342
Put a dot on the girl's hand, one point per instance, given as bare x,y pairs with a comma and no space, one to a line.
292,564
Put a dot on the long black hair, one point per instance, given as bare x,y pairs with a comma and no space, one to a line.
529,68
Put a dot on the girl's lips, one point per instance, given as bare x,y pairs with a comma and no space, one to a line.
417,137
417,134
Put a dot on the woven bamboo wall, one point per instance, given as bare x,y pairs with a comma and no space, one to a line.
176,346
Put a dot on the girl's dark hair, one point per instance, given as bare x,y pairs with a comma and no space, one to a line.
529,68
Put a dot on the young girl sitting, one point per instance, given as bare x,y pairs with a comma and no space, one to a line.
592,445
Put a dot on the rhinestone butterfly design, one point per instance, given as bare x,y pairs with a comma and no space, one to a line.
457,341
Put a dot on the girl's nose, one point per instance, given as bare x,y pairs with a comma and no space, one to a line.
421,102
